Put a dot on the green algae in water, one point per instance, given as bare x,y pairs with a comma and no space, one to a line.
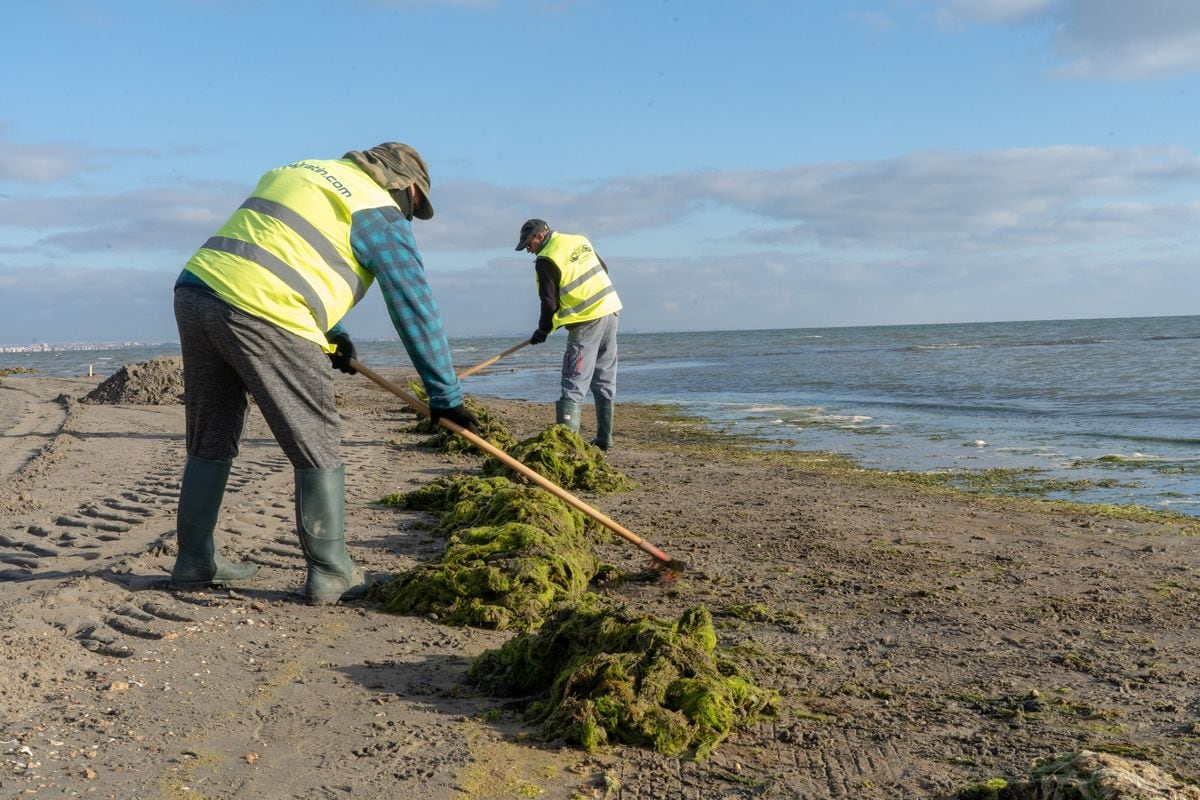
468,502
502,577
561,455
1014,482
615,677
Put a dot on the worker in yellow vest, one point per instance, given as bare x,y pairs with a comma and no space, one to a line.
576,293
259,307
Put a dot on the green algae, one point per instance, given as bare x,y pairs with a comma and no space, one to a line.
17,371
442,494
1090,775
604,675
468,502
517,557
441,439
757,612
667,429
503,577
562,456
1015,482
984,790
515,552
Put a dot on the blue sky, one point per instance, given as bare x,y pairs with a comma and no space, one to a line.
737,164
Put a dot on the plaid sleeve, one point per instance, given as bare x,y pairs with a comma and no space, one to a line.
383,243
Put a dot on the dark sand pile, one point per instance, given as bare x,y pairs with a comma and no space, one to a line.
158,382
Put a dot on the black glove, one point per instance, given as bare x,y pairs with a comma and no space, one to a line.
459,414
538,336
340,358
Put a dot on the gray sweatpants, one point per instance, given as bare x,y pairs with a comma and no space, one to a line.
591,359
227,354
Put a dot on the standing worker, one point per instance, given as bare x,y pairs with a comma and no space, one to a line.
258,310
576,294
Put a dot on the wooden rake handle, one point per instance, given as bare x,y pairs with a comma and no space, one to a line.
512,463
492,360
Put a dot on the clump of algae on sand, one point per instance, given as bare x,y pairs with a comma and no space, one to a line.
467,502
1087,775
615,677
515,552
490,428
502,577
520,558
560,454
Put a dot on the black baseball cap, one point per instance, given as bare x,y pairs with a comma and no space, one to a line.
531,228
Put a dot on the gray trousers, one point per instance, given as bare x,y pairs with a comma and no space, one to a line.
228,354
591,359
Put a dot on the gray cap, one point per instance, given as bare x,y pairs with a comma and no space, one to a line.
531,228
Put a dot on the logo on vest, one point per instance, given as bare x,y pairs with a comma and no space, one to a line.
326,174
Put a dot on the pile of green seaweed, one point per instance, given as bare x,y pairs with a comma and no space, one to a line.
560,454
513,553
444,441
614,677
519,558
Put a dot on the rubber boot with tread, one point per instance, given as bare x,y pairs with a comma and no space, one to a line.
198,563
566,412
320,522
604,423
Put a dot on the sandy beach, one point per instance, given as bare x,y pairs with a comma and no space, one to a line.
921,641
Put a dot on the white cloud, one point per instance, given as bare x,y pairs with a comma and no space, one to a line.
1117,39
1129,40
176,220
431,3
57,304
872,20
932,236
931,202
46,163
480,216
953,11
778,290
40,163
765,289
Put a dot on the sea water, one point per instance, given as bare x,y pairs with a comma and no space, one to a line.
1104,401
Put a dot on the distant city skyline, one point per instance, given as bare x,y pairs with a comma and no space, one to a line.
51,347
738,165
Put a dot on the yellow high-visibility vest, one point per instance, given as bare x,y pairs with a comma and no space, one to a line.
584,289
285,255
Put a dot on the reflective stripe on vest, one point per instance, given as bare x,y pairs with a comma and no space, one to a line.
585,291
285,254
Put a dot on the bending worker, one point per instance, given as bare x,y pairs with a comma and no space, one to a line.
258,310
576,294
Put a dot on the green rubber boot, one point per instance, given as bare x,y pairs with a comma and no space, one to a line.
198,563
566,412
321,523
604,423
